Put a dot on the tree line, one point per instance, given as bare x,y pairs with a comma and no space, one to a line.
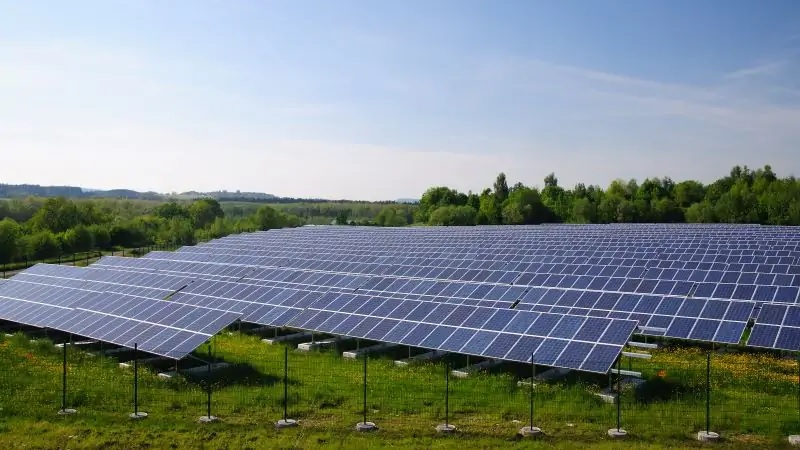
56,226
743,196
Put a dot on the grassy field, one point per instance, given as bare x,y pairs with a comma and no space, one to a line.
753,403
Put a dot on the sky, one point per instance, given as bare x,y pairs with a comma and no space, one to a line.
379,100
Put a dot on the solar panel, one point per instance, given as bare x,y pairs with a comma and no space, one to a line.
778,327
501,334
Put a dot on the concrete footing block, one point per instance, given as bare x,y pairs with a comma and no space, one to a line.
366,427
67,412
794,440
446,428
138,415
285,423
208,419
530,432
707,436
617,433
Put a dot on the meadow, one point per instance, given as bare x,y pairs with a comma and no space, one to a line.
754,401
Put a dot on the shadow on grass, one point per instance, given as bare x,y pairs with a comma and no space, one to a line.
234,375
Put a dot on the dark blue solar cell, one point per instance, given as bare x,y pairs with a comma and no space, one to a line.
439,313
544,324
714,309
724,291
314,322
705,290
786,294
659,321
521,322
628,302
403,310
379,331
587,299
568,281
763,336
551,296
765,293
607,301
399,332
479,317
680,327
549,351
567,327
500,320
704,330
730,332
421,311
646,286
598,283
457,340
369,305
647,304
601,358
739,311
459,315
501,345
744,292
782,279
582,282
479,342
765,278
692,307
568,298
771,314
326,326
614,284
418,334
437,337
616,334
630,285
729,277
747,278
386,308
682,288
364,326
574,355
592,329
792,318
534,295
788,339
664,287
524,348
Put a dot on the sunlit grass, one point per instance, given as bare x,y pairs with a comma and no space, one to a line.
753,402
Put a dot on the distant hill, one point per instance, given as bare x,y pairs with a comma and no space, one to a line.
35,190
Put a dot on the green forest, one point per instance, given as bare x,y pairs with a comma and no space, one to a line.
36,228
744,196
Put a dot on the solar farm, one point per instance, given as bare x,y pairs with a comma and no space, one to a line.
569,301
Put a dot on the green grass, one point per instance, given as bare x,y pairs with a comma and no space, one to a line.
754,402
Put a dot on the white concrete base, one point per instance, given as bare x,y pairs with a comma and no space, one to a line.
287,423
530,431
67,412
308,346
707,436
138,415
366,426
198,370
526,383
288,337
208,419
608,396
354,354
794,440
76,343
446,429
466,371
124,365
615,433
429,356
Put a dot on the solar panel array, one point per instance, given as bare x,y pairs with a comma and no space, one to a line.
498,292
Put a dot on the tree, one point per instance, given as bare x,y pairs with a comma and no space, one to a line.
204,211
341,218
267,218
391,216
56,215
490,210
687,193
170,210
10,232
452,215
41,245
501,188
436,197
77,239
524,206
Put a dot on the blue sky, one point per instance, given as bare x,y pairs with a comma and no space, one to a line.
380,100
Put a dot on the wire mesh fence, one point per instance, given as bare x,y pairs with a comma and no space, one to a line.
242,380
